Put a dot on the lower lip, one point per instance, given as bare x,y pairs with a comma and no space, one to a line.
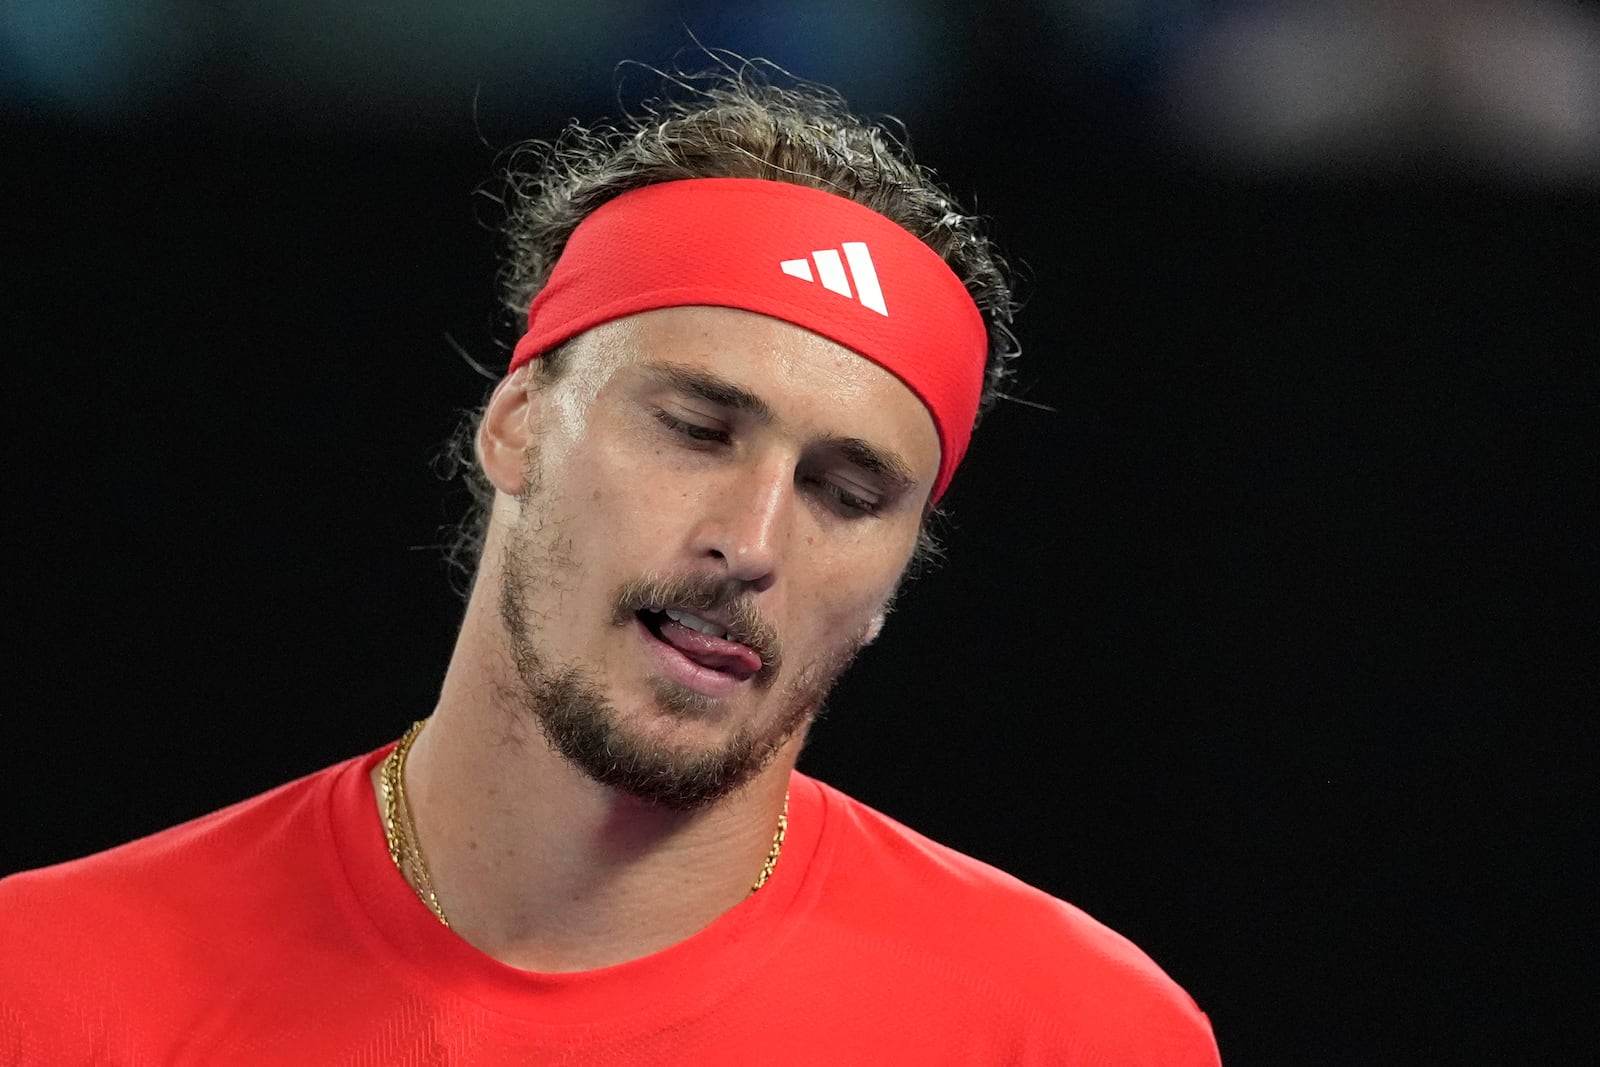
676,667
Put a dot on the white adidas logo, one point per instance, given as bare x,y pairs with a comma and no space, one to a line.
831,272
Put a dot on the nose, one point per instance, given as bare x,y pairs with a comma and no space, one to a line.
746,523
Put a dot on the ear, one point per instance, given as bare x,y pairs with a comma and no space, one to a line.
875,626
505,431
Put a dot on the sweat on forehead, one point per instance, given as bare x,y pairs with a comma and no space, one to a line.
817,260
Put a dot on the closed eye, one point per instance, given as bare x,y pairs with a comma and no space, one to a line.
693,431
845,500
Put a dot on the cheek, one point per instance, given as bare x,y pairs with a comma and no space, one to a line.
844,594
618,496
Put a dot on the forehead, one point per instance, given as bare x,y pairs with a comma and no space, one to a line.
811,385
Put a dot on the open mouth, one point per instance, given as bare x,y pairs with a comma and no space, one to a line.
702,642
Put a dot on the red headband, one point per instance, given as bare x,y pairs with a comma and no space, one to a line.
815,259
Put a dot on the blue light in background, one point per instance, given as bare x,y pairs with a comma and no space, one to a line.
414,66
96,58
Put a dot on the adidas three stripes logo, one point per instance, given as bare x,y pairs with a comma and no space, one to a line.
832,272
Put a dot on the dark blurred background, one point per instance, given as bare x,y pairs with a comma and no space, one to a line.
1266,631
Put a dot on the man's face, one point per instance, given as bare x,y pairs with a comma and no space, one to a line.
715,509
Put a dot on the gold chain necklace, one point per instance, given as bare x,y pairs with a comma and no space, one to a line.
398,828
402,833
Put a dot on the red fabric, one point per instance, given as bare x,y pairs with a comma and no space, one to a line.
723,242
278,932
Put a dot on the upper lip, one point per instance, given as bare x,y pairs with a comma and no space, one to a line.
716,618
722,619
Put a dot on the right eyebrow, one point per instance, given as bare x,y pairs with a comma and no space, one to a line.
709,387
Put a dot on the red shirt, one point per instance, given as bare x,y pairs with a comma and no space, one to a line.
277,931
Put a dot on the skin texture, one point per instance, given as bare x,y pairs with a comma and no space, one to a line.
759,524
581,799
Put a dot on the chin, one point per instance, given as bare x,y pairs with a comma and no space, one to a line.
674,754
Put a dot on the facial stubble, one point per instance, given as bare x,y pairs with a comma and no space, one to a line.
580,721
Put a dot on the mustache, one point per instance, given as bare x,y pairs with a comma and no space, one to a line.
698,594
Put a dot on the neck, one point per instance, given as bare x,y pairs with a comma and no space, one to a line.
543,868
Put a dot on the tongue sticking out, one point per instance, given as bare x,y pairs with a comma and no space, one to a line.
731,657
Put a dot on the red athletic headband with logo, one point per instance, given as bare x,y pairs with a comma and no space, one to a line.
815,259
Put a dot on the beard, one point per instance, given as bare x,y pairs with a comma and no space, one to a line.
580,722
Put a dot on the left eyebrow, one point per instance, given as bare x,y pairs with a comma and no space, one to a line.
877,461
